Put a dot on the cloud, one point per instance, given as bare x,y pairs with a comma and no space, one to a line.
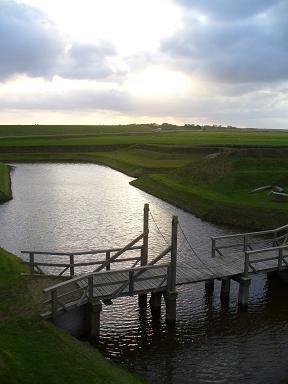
87,61
29,42
74,100
234,49
227,9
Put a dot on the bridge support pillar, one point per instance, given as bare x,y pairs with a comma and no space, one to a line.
155,303
209,285
225,288
170,300
142,300
243,296
94,312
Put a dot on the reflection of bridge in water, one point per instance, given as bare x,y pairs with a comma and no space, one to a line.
76,302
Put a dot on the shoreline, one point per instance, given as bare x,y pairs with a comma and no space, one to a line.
5,183
170,186
28,342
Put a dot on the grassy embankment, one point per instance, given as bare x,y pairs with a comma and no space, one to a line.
5,184
34,351
176,166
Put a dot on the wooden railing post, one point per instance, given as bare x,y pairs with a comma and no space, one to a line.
144,250
245,244
108,266
213,247
274,243
54,303
246,264
170,286
131,283
31,262
142,298
72,265
171,294
90,288
280,258
174,250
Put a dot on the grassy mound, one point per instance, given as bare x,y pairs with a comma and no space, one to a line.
34,351
217,188
5,183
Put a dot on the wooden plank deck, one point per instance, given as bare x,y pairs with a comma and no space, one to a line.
222,267
186,273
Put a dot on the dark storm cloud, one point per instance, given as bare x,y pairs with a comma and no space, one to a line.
30,44
229,47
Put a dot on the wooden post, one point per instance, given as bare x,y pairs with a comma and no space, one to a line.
71,265
144,251
170,301
209,286
280,259
274,244
155,303
246,264
90,288
31,262
108,266
245,244
225,288
243,295
142,297
213,247
54,304
174,252
131,283
171,294
94,315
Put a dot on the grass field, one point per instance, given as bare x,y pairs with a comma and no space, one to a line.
205,172
70,130
33,351
183,138
5,184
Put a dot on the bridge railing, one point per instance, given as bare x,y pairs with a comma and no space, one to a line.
242,242
277,255
75,262
107,285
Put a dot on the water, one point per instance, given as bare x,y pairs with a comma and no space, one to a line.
82,206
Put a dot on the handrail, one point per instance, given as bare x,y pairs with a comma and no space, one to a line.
250,233
79,253
84,264
244,240
263,250
106,263
103,273
128,279
280,257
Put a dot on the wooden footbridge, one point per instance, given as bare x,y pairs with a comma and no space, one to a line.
129,271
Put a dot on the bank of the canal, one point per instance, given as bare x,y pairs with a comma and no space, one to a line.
212,182
5,183
33,350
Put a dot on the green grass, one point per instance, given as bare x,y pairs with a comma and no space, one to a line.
60,130
33,351
5,183
187,138
174,166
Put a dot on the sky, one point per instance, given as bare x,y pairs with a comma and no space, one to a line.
144,61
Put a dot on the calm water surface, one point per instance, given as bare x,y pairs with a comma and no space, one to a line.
82,206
